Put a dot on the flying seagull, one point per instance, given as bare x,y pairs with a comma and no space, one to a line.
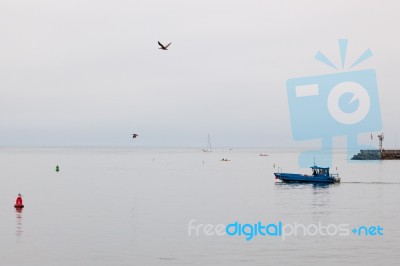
163,47
134,136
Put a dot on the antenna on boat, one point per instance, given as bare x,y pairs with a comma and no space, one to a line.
314,160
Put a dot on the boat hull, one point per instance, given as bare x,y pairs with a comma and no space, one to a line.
287,177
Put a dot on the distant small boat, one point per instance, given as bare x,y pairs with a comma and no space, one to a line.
263,154
208,148
319,175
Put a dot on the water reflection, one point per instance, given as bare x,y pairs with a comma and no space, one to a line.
18,231
300,185
320,201
312,200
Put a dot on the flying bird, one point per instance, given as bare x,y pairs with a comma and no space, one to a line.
134,136
163,47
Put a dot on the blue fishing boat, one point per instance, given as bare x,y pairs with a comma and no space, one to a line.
319,175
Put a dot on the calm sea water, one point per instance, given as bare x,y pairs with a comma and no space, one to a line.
131,206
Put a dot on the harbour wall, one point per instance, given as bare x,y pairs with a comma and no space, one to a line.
377,155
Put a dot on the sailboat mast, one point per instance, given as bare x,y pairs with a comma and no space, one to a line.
208,148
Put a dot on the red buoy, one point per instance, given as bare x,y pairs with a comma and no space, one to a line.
18,202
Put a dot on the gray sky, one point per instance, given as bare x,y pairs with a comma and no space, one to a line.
86,72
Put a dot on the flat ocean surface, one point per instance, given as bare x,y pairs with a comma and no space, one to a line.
133,206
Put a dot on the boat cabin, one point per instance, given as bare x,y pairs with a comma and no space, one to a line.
320,171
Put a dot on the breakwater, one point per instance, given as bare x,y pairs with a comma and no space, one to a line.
377,155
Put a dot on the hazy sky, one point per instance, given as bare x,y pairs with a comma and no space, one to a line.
86,72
